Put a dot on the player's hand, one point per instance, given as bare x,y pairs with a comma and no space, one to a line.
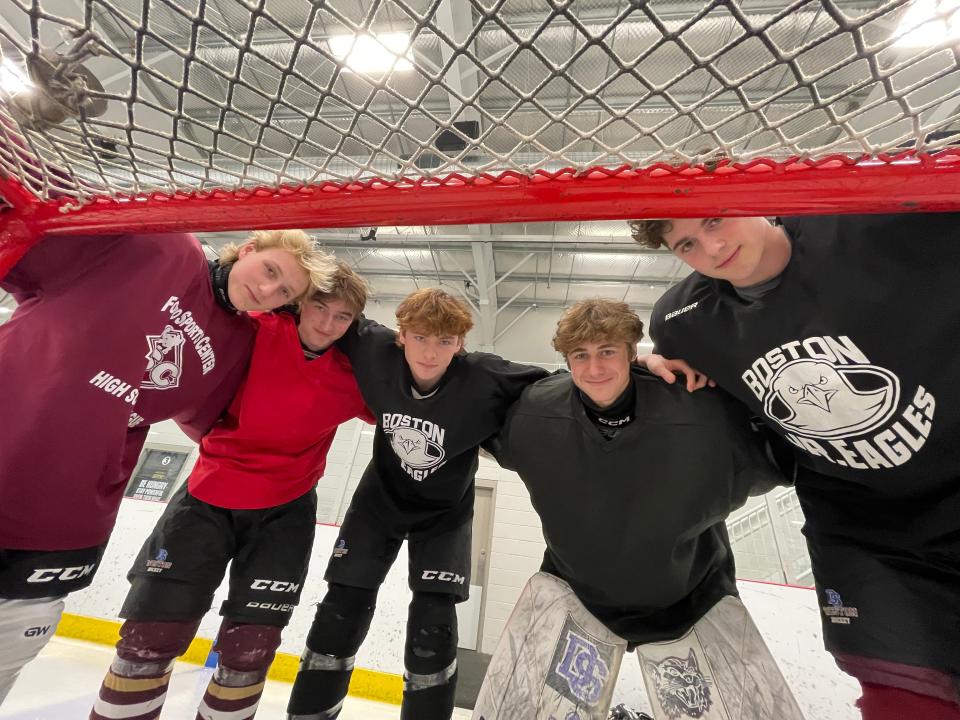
667,370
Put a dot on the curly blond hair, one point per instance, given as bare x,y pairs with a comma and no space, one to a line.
320,265
598,320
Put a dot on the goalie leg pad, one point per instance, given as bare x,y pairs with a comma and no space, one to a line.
721,669
554,659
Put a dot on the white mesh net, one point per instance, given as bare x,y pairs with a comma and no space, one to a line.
140,96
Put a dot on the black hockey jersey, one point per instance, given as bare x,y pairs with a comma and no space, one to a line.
425,450
635,524
853,359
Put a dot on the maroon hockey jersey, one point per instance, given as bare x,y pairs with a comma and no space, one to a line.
111,334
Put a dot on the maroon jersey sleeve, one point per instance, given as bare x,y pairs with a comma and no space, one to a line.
54,262
131,451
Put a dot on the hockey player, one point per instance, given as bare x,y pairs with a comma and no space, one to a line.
112,334
434,405
838,331
632,495
250,499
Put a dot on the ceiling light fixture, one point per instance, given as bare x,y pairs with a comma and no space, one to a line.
927,29
371,54
13,80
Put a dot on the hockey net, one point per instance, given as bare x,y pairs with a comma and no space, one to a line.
228,114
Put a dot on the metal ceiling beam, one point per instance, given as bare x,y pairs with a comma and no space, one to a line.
487,289
556,105
680,10
394,298
512,242
502,243
455,19
456,277
7,29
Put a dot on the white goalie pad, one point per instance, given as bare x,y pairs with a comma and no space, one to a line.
720,670
554,659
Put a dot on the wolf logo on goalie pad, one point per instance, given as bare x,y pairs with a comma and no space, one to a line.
681,688
580,666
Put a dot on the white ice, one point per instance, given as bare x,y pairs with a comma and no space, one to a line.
62,683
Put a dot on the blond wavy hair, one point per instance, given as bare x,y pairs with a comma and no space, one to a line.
320,265
598,320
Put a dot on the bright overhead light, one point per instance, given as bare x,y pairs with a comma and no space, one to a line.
927,29
373,53
13,80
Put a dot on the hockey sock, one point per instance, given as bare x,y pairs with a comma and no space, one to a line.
135,687
246,651
882,702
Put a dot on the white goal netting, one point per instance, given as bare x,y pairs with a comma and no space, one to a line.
133,97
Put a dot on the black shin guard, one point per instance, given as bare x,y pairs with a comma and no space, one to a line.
341,623
430,657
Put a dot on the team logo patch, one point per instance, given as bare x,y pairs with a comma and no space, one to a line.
682,690
417,443
819,399
159,563
581,665
164,360
838,613
340,548
833,403
415,448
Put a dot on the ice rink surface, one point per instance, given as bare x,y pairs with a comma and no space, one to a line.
62,683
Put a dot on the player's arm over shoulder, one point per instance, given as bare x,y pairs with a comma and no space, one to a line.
364,339
762,461
537,399
507,379
57,261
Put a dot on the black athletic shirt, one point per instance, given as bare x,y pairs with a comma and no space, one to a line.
425,450
852,358
635,524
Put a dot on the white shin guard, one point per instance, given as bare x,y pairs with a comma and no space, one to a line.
25,627
554,659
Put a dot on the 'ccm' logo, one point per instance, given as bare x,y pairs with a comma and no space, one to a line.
35,631
275,585
63,574
442,575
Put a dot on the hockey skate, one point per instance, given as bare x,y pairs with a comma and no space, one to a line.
622,712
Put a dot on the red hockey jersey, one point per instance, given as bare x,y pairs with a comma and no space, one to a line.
271,446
